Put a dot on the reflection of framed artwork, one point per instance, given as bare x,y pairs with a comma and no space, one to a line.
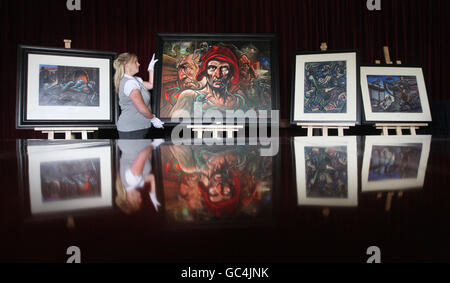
394,163
62,177
65,87
325,87
394,94
215,185
326,171
200,72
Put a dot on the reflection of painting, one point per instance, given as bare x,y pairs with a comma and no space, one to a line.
219,75
67,180
326,172
394,162
214,183
390,93
325,87
69,86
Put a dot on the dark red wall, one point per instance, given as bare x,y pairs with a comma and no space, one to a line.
417,32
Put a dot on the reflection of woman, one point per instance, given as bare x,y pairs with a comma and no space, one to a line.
135,175
134,98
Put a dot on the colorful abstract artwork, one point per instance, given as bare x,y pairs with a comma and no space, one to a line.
390,93
394,162
67,180
205,184
70,86
229,74
325,87
326,172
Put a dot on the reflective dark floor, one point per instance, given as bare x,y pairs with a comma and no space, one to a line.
294,199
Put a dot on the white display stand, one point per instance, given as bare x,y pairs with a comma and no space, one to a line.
398,127
385,127
325,126
68,131
215,129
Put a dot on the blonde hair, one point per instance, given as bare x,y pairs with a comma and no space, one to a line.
122,202
119,66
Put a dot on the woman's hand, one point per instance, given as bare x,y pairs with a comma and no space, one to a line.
157,123
151,65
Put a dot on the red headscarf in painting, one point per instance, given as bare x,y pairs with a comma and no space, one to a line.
222,208
219,53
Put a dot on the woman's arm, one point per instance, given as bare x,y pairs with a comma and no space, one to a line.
138,102
149,84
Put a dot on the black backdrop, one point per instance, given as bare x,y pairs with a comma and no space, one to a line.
417,32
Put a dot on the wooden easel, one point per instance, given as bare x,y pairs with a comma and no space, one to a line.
215,129
398,127
314,127
68,131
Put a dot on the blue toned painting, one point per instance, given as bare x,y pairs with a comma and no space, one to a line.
326,87
394,162
326,172
68,86
396,94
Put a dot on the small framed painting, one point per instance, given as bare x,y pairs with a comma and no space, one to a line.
394,94
325,88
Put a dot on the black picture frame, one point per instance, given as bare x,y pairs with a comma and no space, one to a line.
394,117
162,108
59,87
297,80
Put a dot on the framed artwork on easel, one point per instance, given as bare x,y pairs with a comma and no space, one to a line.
325,87
218,72
394,94
60,87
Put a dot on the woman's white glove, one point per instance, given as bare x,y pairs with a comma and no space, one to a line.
151,65
157,123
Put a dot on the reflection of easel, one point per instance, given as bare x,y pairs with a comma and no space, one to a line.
69,132
398,127
323,127
389,197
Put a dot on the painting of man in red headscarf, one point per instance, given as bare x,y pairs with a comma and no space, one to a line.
217,75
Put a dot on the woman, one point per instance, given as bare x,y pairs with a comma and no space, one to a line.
134,98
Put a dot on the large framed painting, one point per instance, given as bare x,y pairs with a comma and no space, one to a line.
65,87
325,87
326,171
59,178
394,94
223,185
221,72
394,163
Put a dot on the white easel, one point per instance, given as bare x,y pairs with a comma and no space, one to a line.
325,126
68,131
215,129
398,127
